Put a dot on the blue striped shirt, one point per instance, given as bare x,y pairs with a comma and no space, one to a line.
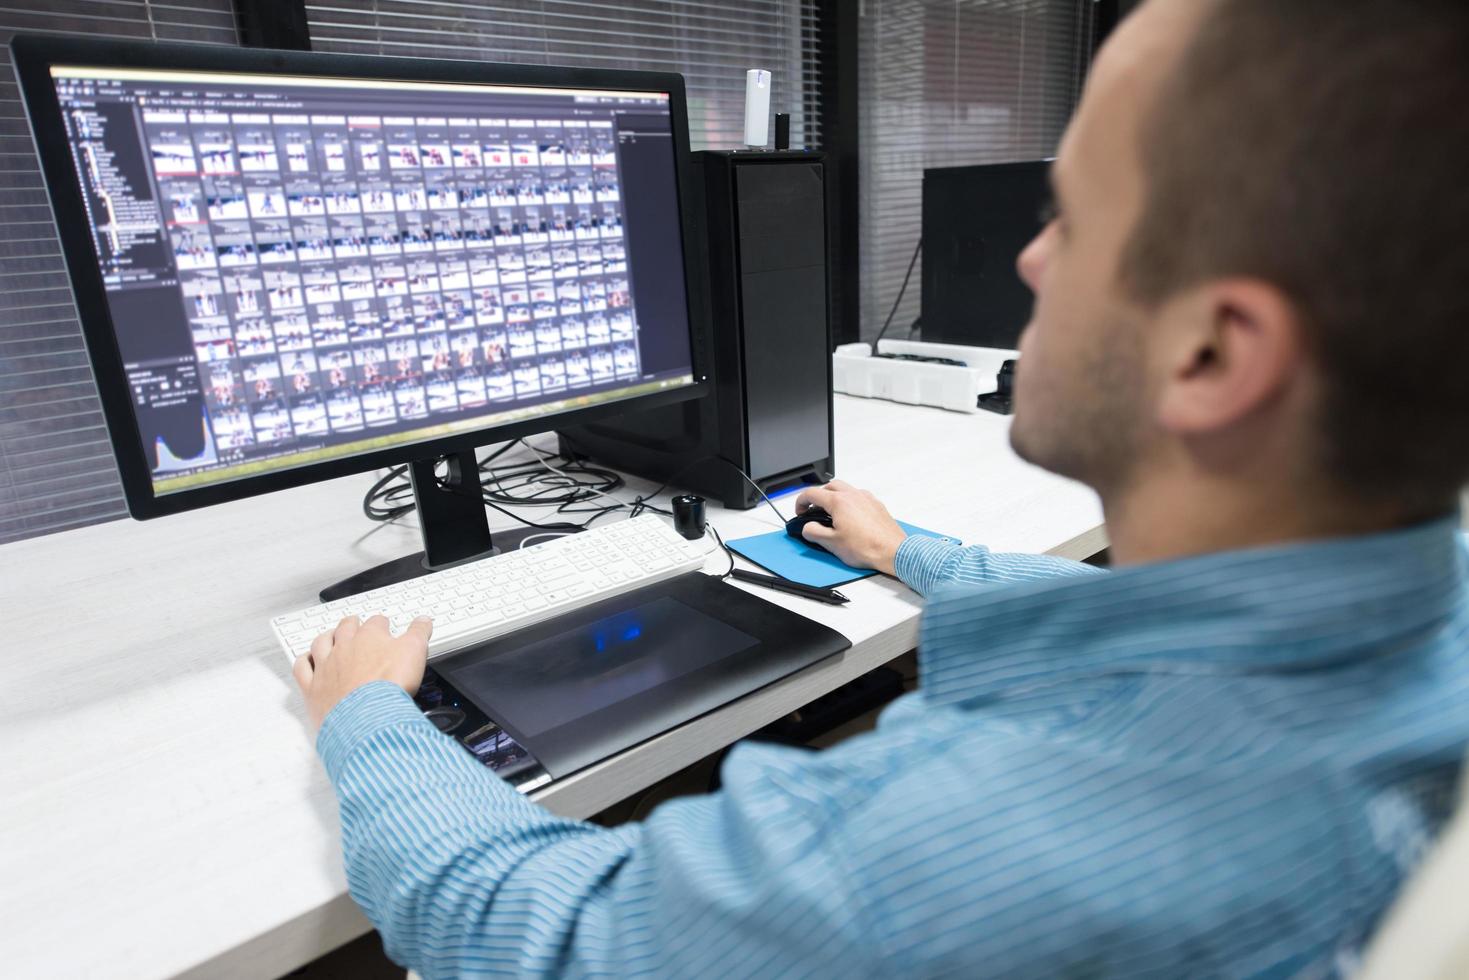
1218,766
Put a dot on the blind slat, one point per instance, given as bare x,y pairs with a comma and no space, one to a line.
711,43
947,84
56,466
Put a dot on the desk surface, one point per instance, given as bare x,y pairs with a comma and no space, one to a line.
162,807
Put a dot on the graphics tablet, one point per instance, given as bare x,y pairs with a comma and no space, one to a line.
548,700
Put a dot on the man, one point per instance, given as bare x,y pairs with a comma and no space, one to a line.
1221,758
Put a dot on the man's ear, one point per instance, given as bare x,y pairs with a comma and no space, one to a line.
1233,346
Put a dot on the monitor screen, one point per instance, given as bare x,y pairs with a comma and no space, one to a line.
301,269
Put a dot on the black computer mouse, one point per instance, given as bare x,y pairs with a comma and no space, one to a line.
795,524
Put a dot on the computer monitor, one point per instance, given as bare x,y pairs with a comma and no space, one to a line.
976,222
292,266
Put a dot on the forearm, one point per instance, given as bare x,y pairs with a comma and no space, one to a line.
450,863
463,876
925,564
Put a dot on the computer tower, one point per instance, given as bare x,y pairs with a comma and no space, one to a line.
976,222
770,415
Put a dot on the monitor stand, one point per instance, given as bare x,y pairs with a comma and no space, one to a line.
451,513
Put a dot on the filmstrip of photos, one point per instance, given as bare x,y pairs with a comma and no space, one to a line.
342,273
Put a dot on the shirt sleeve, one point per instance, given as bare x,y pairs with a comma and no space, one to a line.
941,849
926,563
462,875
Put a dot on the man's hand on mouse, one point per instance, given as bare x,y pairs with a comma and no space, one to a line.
354,654
862,534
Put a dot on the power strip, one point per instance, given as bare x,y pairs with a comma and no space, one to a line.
856,372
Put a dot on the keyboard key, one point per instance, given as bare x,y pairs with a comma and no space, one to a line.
483,599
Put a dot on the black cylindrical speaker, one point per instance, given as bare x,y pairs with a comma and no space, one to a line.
688,516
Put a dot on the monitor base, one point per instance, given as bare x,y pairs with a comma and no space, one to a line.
451,513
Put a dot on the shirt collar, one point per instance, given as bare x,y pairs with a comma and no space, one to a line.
1286,608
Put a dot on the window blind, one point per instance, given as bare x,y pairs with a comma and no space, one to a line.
56,466
712,42
947,83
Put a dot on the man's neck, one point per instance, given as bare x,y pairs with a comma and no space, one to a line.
1164,520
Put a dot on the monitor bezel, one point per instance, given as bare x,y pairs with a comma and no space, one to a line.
33,57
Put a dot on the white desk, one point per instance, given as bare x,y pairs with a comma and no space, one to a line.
162,809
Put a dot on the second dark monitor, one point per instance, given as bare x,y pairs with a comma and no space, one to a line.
976,222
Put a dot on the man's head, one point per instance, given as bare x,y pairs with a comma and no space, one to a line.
1259,271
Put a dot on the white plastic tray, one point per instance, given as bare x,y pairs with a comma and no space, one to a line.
857,372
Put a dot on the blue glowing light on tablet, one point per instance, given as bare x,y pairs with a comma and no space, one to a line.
615,631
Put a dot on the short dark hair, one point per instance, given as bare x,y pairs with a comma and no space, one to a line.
1323,146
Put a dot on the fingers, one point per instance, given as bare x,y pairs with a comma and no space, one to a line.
817,532
321,648
815,497
346,629
420,629
303,671
824,496
378,622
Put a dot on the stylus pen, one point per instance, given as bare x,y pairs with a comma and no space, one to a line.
829,596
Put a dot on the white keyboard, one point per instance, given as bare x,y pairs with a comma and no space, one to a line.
487,598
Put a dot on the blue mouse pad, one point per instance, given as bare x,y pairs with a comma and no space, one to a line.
780,554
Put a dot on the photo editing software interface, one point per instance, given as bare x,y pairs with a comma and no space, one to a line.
300,269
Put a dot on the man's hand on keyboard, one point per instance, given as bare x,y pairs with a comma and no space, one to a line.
354,654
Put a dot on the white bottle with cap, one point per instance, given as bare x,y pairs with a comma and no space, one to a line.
757,107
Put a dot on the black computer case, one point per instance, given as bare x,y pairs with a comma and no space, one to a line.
769,304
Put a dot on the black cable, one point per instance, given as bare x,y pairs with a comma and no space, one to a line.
390,495
527,483
705,459
536,483
643,502
728,553
778,514
566,526
901,290
676,474
485,463
564,491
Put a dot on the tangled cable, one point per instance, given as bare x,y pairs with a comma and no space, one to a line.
572,486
